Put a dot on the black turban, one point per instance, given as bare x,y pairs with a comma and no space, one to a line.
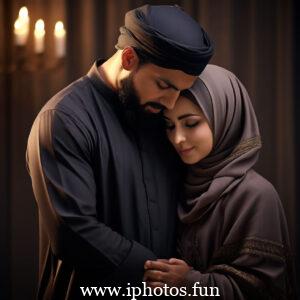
167,37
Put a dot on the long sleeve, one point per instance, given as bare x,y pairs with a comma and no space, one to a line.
243,247
60,162
245,277
213,284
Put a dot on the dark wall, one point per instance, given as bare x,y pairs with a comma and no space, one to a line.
4,158
257,40
26,82
297,126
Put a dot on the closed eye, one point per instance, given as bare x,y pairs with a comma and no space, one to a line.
162,85
191,125
169,126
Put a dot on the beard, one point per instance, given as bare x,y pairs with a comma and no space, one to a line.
135,112
131,101
128,95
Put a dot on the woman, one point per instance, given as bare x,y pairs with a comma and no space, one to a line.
233,232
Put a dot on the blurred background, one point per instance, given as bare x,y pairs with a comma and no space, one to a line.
259,40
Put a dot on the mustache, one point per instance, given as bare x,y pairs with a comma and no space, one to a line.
155,105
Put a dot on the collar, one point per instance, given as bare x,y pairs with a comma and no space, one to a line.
97,81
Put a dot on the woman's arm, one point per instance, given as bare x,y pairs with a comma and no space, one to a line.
177,273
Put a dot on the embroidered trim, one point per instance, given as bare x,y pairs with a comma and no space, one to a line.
249,278
252,246
250,284
255,247
244,146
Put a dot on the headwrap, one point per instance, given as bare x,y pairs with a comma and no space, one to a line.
167,37
236,141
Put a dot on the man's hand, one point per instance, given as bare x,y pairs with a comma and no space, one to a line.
162,271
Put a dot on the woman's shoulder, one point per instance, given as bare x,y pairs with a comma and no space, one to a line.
256,186
254,208
254,192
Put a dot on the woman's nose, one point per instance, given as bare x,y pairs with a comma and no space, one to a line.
179,137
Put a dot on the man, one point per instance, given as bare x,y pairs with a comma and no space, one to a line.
101,174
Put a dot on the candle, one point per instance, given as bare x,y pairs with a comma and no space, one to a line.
39,36
60,39
21,27
23,13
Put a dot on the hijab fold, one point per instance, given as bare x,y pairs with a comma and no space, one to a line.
228,109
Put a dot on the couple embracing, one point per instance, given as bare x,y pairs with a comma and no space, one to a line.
143,172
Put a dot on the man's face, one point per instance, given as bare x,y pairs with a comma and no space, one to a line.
154,88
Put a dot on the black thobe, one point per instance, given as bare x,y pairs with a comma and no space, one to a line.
105,190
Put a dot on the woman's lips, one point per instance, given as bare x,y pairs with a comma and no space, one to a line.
186,151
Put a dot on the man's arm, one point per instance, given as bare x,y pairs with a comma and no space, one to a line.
63,181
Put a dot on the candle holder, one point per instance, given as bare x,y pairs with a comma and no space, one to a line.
29,63
28,60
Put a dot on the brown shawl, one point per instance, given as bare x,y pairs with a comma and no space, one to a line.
233,231
236,140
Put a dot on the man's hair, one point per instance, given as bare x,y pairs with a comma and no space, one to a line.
143,58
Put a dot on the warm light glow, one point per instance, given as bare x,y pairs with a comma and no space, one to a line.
59,30
60,39
23,13
18,25
39,29
39,33
21,27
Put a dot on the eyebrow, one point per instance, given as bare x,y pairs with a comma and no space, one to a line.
169,83
184,116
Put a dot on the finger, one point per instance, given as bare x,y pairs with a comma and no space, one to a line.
147,264
155,284
156,265
153,275
175,261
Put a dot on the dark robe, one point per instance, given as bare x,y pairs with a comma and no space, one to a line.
104,187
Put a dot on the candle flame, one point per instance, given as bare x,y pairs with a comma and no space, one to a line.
21,27
18,24
59,26
39,28
39,25
23,13
59,30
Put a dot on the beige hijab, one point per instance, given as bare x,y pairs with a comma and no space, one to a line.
228,109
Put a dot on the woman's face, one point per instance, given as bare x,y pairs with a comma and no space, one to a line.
188,131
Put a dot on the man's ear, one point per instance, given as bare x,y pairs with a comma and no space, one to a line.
129,58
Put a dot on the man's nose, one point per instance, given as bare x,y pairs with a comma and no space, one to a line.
169,100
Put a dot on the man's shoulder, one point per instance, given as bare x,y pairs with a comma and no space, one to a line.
70,111
80,101
69,97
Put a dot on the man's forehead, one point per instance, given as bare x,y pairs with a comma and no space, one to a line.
177,78
176,84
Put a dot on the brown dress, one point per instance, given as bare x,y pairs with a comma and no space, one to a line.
233,228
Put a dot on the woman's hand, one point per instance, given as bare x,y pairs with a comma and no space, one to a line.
162,271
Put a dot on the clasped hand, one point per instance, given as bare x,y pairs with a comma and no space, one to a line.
171,271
